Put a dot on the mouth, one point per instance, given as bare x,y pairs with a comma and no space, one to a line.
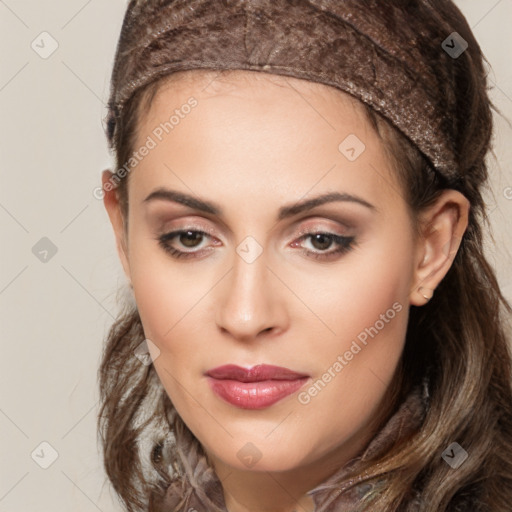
255,388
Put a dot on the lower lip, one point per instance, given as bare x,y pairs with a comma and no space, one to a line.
254,395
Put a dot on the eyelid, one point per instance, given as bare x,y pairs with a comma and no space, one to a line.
320,229
188,227
322,225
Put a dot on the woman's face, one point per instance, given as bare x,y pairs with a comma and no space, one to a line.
259,287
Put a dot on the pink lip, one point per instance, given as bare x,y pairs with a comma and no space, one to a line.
255,388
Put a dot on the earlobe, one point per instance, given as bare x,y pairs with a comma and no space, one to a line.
112,206
444,225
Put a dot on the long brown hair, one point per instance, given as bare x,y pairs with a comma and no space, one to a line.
461,336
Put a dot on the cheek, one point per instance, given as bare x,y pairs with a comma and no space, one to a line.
366,310
167,300
369,282
164,295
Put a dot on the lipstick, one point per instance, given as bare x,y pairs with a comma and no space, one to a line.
254,388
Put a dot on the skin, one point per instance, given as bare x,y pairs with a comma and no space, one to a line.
254,143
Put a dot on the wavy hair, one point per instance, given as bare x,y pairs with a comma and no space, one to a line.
462,336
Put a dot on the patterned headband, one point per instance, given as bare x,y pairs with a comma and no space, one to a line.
401,57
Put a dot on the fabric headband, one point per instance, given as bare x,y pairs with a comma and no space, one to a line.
400,57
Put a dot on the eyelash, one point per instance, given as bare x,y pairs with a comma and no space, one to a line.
345,243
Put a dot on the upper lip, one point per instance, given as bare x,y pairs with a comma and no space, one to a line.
255,374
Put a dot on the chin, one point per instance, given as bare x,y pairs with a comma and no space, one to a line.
261,459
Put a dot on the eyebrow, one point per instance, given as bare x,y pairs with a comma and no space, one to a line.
284,212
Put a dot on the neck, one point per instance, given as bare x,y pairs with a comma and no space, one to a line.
284,491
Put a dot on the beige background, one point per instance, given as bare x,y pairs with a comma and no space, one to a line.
54,314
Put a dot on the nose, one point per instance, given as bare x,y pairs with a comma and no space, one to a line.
250,301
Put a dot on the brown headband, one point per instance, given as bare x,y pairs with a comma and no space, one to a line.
400,57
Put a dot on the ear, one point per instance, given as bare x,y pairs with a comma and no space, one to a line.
442,226
111,203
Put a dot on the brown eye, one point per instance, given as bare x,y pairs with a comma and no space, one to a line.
321,241
189,238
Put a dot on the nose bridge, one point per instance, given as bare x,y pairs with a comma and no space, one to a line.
248,303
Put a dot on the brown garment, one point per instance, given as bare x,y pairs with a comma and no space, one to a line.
407,419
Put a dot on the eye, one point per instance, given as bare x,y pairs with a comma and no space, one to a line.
323,240
188,238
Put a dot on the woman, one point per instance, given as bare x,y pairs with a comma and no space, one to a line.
297,207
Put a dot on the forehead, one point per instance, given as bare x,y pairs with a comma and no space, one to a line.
257,103
288,132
